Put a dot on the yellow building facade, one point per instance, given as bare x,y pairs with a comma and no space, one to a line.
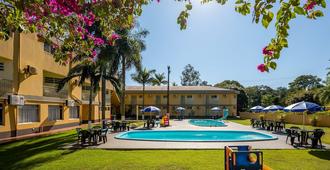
28,70
197,100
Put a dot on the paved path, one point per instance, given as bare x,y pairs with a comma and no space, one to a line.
184,125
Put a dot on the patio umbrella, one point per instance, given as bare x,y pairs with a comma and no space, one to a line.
272,108
216,109
180,110
257,108
151,109
302,107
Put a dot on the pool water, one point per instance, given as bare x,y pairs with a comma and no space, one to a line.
194,135
207,122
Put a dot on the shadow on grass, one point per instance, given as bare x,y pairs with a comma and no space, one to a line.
322,154
30,153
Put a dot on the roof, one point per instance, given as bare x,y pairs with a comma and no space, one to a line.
179,89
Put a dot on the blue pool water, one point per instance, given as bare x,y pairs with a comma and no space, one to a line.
194,135
207,122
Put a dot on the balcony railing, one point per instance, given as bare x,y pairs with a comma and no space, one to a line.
50,90
85,95
6,86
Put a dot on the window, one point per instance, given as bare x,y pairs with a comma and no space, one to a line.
74,112
214,97
1,114
28,113
55,113
189,99
140,96
2,67
49,48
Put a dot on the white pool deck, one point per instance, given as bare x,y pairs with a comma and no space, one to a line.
114,143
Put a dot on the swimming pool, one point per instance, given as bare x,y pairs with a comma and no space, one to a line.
207,122
194,135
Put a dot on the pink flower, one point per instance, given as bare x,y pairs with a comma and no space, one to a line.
261,68
113,38
98,41
310,6
265,51
94,53
158,1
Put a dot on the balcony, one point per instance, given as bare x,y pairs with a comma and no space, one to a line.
50,90
6,86
85,93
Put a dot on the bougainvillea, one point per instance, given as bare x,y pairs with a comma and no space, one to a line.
71,23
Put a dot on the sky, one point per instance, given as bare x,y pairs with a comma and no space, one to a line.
224,45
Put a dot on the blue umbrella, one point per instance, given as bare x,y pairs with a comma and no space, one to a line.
273,108
151,109
180,109
257,108
303,106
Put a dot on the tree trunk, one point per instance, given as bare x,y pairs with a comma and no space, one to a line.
90,104
103,98
122,102
143,86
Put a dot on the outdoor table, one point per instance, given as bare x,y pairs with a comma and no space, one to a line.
304,136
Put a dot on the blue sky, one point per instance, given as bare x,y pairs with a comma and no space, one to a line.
222,44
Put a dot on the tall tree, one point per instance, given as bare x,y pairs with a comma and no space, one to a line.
324,95
159,79
91,73
304,82
242,99
130,46
190,76
255,94
143,76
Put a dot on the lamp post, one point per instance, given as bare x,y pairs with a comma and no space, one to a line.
168,88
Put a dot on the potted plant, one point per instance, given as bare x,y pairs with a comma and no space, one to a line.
314,120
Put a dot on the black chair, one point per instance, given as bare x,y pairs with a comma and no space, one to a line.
316,137
103,135
78,130
85,134
292,133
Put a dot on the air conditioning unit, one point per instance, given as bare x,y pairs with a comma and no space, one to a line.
69,103
30,70
16,100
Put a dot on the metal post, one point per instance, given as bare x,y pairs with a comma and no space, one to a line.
168,88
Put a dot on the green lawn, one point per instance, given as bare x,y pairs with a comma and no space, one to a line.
325,138
46,153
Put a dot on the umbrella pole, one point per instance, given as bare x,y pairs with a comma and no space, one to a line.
303,120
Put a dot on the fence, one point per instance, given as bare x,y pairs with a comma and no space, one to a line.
323,119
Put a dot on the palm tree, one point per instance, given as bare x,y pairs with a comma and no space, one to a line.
324,95
94,72
159,79
109,61
82,72
130,46
143,76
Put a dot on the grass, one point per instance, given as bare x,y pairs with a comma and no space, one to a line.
47,153
325,138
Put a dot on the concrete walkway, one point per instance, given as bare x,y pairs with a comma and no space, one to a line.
184,125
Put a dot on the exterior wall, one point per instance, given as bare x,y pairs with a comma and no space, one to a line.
29,51
198,107
294,118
